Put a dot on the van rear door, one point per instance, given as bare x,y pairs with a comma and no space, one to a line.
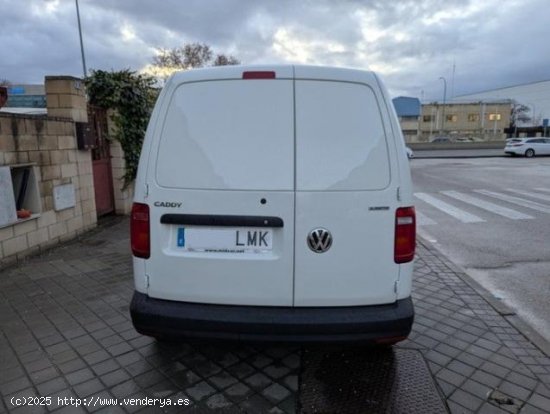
343,186
221,191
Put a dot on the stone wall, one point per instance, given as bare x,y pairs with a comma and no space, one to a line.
124,196
48,146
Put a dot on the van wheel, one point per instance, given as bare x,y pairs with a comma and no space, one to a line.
530,153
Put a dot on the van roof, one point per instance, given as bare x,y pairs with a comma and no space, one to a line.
281,72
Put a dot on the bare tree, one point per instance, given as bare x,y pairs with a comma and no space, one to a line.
189,56
4,82
519,115
223,60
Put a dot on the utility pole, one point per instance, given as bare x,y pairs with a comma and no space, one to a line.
444,99
496,119
81,43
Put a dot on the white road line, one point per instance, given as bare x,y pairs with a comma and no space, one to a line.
486,205
530,194
422,233
423,220
457,213
547,190
516,200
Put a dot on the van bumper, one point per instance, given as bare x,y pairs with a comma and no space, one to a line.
164,319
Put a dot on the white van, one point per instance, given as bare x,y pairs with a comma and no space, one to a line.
273,203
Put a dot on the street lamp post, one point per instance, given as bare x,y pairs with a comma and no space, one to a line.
432,117
81,43
496,119
444,99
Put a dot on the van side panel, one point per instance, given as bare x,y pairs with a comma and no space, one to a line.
404,287
140,188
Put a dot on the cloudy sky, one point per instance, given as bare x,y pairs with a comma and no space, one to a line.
411,43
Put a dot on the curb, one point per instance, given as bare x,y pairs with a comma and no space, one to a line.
443,157
500,307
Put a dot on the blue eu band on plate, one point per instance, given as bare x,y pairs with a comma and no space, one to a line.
181,237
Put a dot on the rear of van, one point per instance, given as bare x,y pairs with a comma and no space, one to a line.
273,203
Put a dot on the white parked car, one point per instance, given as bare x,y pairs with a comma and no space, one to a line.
528,146
410,152
275,204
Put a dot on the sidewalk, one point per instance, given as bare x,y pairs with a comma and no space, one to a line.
65,331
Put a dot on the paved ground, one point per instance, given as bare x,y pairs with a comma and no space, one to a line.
65,332
491,216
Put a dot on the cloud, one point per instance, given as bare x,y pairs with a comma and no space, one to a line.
410,42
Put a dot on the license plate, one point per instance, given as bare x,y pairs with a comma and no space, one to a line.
231,240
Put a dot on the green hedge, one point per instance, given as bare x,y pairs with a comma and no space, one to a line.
132,98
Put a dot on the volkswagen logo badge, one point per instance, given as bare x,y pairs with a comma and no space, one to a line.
319,240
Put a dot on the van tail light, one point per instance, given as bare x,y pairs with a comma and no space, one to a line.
405,235
259,74
140,231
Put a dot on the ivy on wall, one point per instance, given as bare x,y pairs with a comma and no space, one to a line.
132,98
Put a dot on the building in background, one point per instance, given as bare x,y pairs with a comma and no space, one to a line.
25,99
408,112
458,121
465,121
535,95
3,96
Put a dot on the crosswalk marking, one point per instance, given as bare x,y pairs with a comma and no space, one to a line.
423,220
516,200
487,205
530,194
547,190
457,213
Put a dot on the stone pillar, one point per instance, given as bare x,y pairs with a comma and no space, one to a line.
66,98
123,196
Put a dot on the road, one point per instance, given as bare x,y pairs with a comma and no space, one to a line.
491,216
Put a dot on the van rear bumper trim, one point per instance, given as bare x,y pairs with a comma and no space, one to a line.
221,220
179,320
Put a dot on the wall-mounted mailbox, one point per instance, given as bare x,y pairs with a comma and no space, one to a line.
85,136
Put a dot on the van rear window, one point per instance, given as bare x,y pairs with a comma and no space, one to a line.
340,138
228,134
